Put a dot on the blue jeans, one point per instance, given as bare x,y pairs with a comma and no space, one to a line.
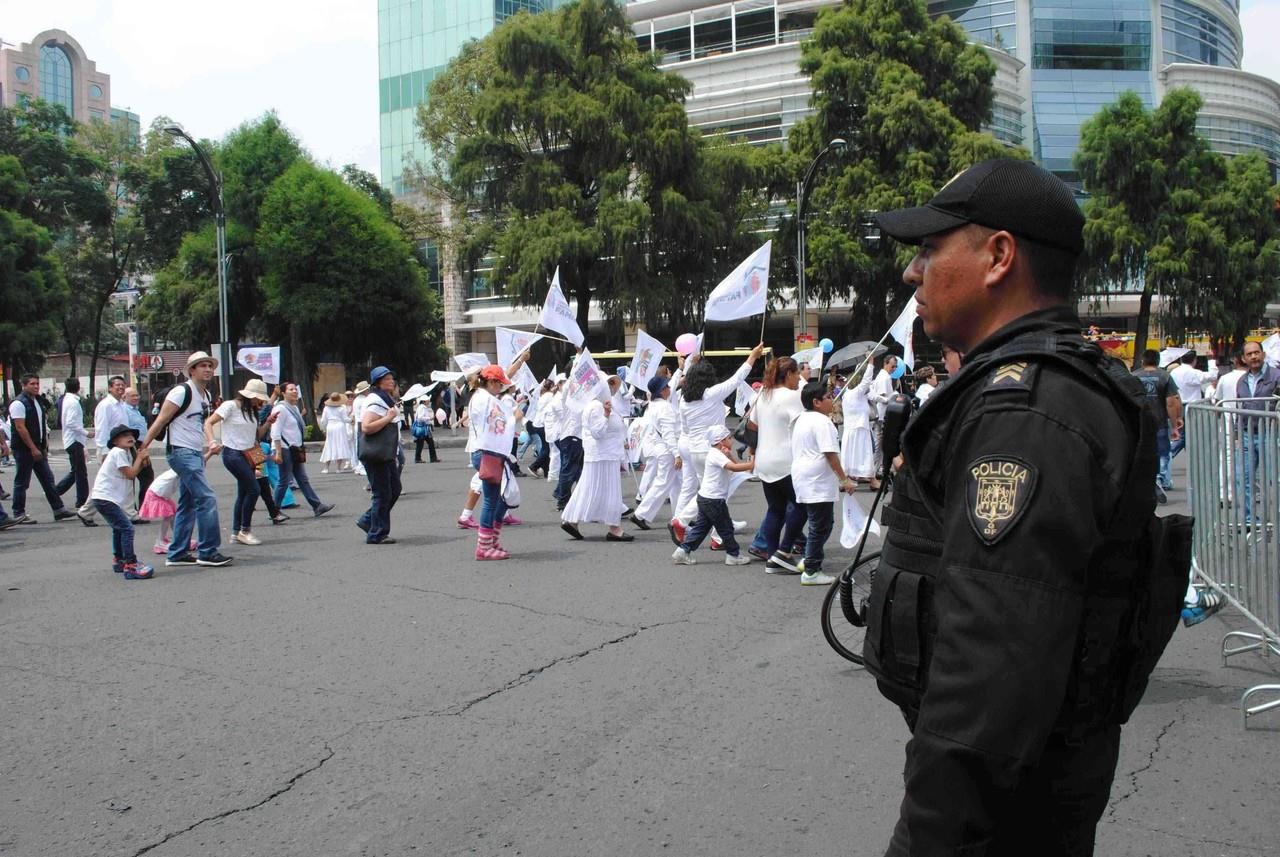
78,476
712,514
821,520
272,471
492,507
290,472
197,506
1164,477
384,488
781,513
570,469
1251,455
121,530
22,480
246,489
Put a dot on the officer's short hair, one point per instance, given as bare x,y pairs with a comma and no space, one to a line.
1053,268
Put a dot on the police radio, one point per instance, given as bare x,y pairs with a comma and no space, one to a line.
896,415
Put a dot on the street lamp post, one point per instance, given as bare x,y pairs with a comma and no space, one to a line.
802,203
220,221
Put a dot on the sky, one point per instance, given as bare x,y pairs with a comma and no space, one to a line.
314,62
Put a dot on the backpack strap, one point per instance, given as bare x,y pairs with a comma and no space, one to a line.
182,408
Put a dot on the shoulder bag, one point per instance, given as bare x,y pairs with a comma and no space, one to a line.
380,447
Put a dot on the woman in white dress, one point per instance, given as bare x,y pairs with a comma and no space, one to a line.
598,494
337,443
857,449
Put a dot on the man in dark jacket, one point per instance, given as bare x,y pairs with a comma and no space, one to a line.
1023,485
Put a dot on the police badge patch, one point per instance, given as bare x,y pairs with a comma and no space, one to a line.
997,492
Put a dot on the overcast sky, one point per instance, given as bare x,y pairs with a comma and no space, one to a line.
213,66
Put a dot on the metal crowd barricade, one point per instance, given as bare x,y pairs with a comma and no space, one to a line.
1233,477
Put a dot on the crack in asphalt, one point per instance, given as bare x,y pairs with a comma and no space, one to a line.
292,781
1134,774
1186,837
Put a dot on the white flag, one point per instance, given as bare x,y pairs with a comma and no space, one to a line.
525,379
447,377
812,356
855,520
586,383
744,292
263,362
900,330
645,364
557,316
1271,348
742,401
471,360
513,343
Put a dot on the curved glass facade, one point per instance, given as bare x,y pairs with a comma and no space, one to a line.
989,22
1236,136
55,77
1192,34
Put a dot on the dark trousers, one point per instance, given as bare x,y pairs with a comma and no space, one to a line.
146,476
821,519
246,489
22,480
121,530
430,442
570,469
543,459
781,513
384,485
289,472
712,514
268,496
78,476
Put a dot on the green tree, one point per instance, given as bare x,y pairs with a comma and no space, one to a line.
571,149
908,94
342,277
170,194
32,288
1148,174
62,175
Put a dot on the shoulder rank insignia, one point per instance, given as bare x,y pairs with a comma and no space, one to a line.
1013,376
998,489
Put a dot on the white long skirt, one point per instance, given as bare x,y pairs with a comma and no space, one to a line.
337,444
857,452
597,498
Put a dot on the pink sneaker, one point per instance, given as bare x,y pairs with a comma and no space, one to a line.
468,524
160,549
512,520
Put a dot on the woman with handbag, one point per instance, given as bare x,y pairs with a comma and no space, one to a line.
241,454
492,422
422,433
378,445
288,433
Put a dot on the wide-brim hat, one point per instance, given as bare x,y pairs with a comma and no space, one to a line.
256,388
336,399
201,357
119,430
362,387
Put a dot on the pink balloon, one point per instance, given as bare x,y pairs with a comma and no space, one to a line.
686,343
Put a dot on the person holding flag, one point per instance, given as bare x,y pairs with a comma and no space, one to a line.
662,469
598,494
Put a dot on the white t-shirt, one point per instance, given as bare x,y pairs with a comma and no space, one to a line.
238,431
109,484
187,428
107,415
715,476
1190,382
774,412
166,485
923,392
812,436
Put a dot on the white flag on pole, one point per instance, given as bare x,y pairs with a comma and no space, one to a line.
1271,349
586,383
645,364
742,401
901,331
263,362
525,379
446,376
855,520
744,292
513,343
471,360
558,316
812,356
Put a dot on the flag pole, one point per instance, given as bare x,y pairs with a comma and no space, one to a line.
870,354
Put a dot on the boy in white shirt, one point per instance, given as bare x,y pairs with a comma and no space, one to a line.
111,492
713,501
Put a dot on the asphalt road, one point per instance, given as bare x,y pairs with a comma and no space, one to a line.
322,697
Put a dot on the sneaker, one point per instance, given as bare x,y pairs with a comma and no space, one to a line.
326,470
279,519
468,523
63,515
512,520
716,544
676,530
362,524
214,560
759,554
682,557
87,521
784,562
160,551
1206,605
322,508
117,565
1161,497
816,578
11,522
740,559
26,519
245,537
772,567
739,526
185,559
134,571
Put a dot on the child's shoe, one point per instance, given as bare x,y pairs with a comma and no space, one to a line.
134,571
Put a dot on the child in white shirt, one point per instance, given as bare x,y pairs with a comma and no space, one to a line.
111,492
713,501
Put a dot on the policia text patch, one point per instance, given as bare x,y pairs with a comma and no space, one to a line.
998,489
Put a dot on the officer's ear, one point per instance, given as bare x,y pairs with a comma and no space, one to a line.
1001,257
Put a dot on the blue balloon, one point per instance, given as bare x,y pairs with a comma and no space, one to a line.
827,345
898,371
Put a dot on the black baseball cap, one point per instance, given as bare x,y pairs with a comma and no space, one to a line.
1015,196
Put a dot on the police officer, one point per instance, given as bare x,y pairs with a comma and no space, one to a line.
1027,479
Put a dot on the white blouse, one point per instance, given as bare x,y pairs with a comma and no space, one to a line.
697,417
603,437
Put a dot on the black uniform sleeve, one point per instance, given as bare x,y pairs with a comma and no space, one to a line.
1026,503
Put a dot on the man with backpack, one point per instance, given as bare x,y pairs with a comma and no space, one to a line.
183,413
1020,535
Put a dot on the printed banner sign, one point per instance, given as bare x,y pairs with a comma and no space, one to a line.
586,383
471,360
645,364
496,433
447,377
513,343
744,292
812,356
263,362
742,401
558,316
